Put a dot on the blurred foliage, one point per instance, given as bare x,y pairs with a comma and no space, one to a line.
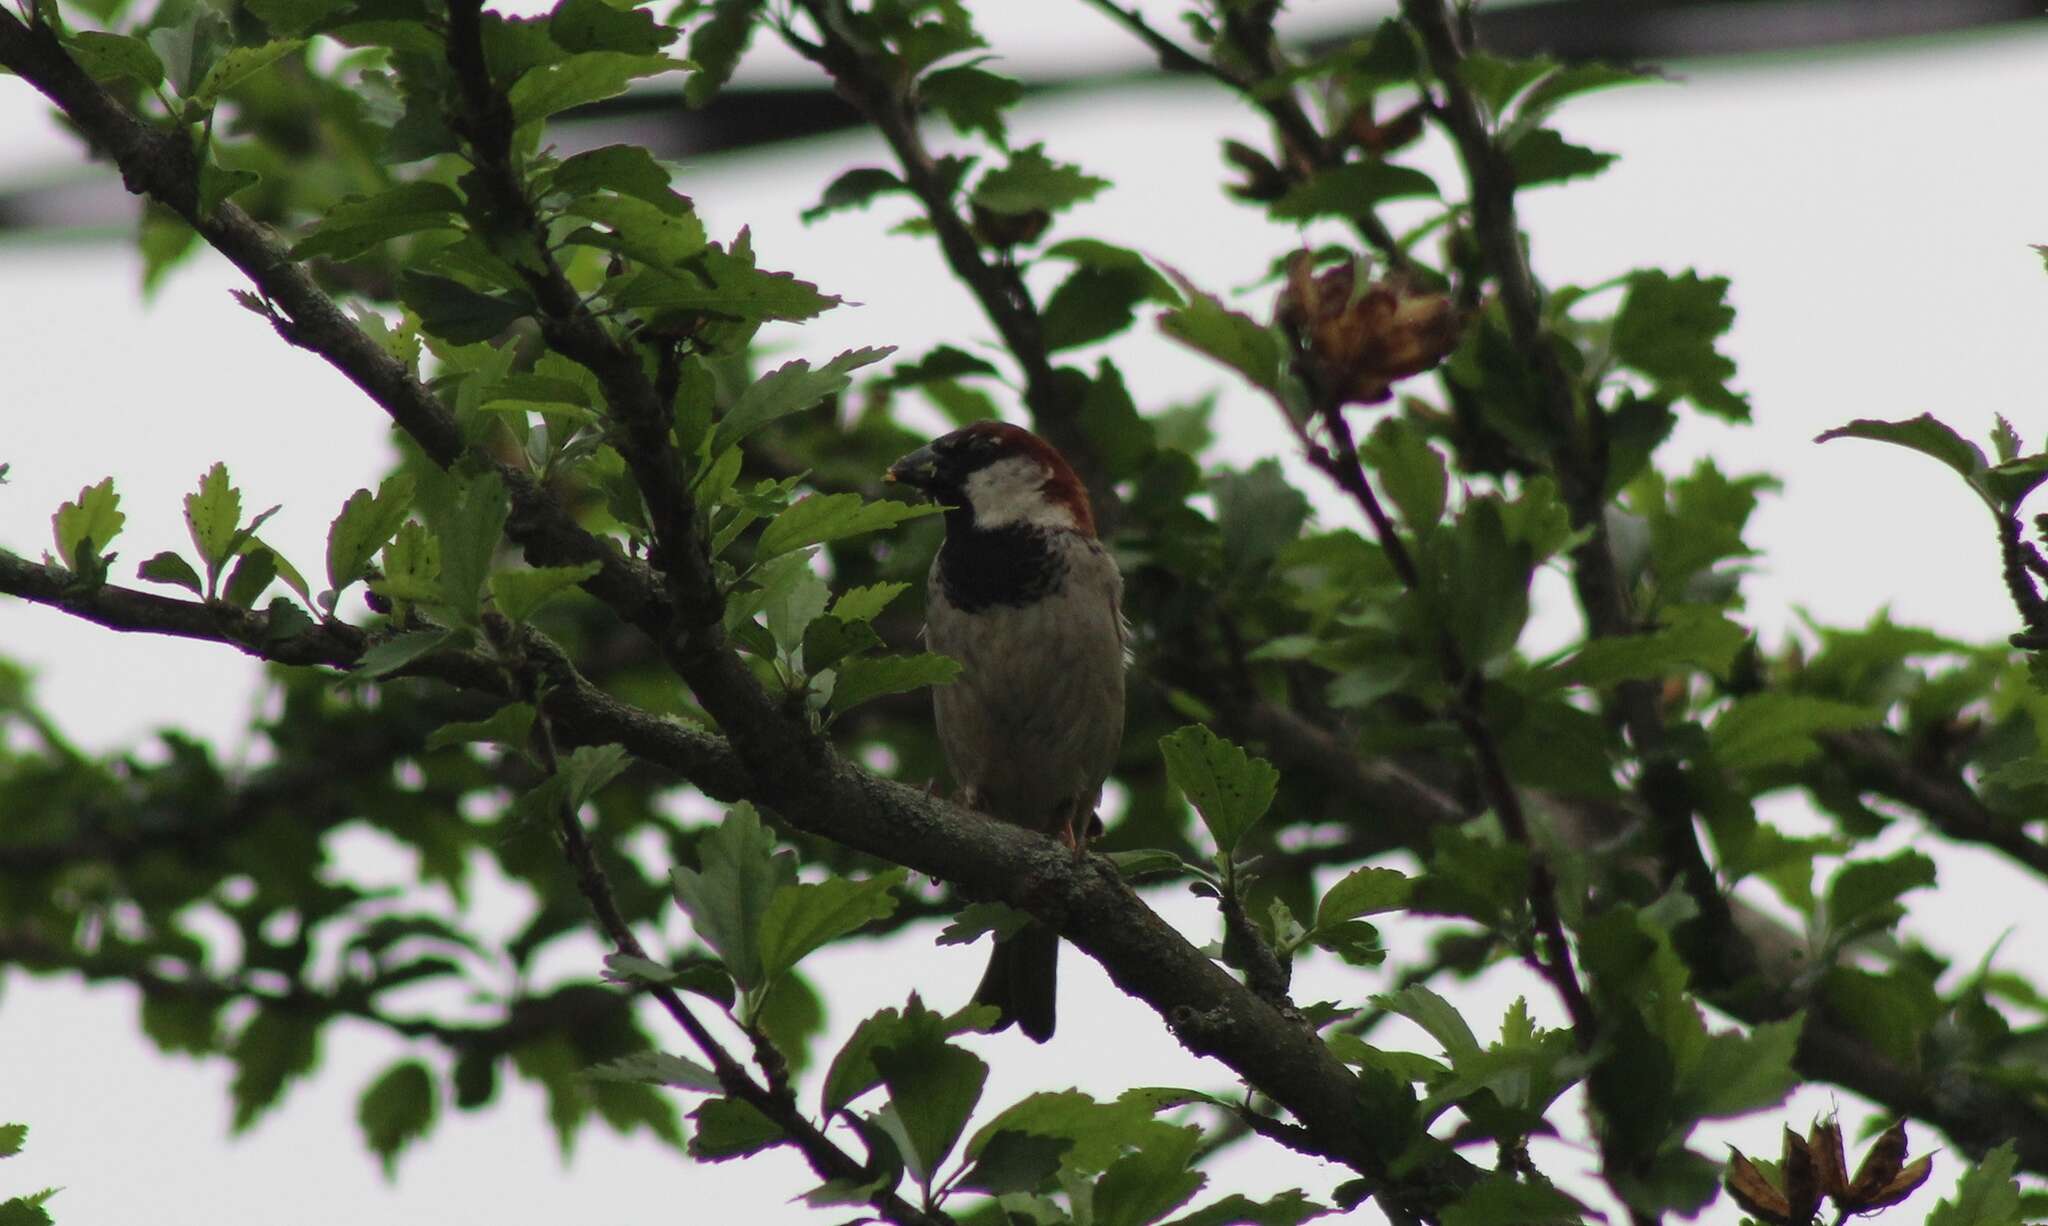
1325,725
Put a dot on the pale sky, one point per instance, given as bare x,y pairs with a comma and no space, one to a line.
1873,210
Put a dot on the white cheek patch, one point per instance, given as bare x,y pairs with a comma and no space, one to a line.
1012,491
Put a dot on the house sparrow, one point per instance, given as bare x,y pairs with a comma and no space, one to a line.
1026,599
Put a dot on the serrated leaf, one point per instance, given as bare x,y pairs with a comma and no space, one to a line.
470,535
802,918
1229,788
212,514
1150,1182
1540,156
96,516
933,1087
1031,182
944,363
645,231
1774,729
728,1128
658,1068
789,388
1289,1208
628,170
971,99
1666,329
715,46
831,517
12,1137
726,896
397,1110
1435,1015
1986,1195
1703,639
2001,487
1735,1074
1350,190
359,223
587,77
1501,1199
1864,890
862,604
595,25
365,524
517,593
828,640
456,313
723,285
869,677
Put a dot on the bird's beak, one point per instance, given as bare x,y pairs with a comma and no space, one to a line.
917,470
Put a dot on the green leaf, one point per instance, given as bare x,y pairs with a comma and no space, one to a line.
1150,1182
941,364
728,1128
276,1046
862,604
456,313
510,725
238,65
1289,1208
738,872
802,918
828,640
1016,1162
642,230
1261,513
189,44
789,388
12,1137
393,654
595,25
109,57
1436,1016
1695,638
397,1110
1350,190
1410,470
1363,892
933,1087
1666,329
412,565
715,47
365,524
588,77
470,537
831,517
855,189
792,597
628,170
721,284
1229,788
1986,1195
1865,893
2001,487
95,517
1230,337
658,1068
212,515
870,677
1503,1200
1571,80
359,223
1497,79
1032,182
1735,1074
1540,156
517,593
971,99
1773,729
253,573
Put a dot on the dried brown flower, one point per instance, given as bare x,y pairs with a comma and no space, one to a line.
1353,341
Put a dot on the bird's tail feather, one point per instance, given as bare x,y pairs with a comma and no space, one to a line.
1022,980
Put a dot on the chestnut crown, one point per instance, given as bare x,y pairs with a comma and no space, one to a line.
996,475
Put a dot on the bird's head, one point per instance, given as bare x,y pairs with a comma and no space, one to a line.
995,475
